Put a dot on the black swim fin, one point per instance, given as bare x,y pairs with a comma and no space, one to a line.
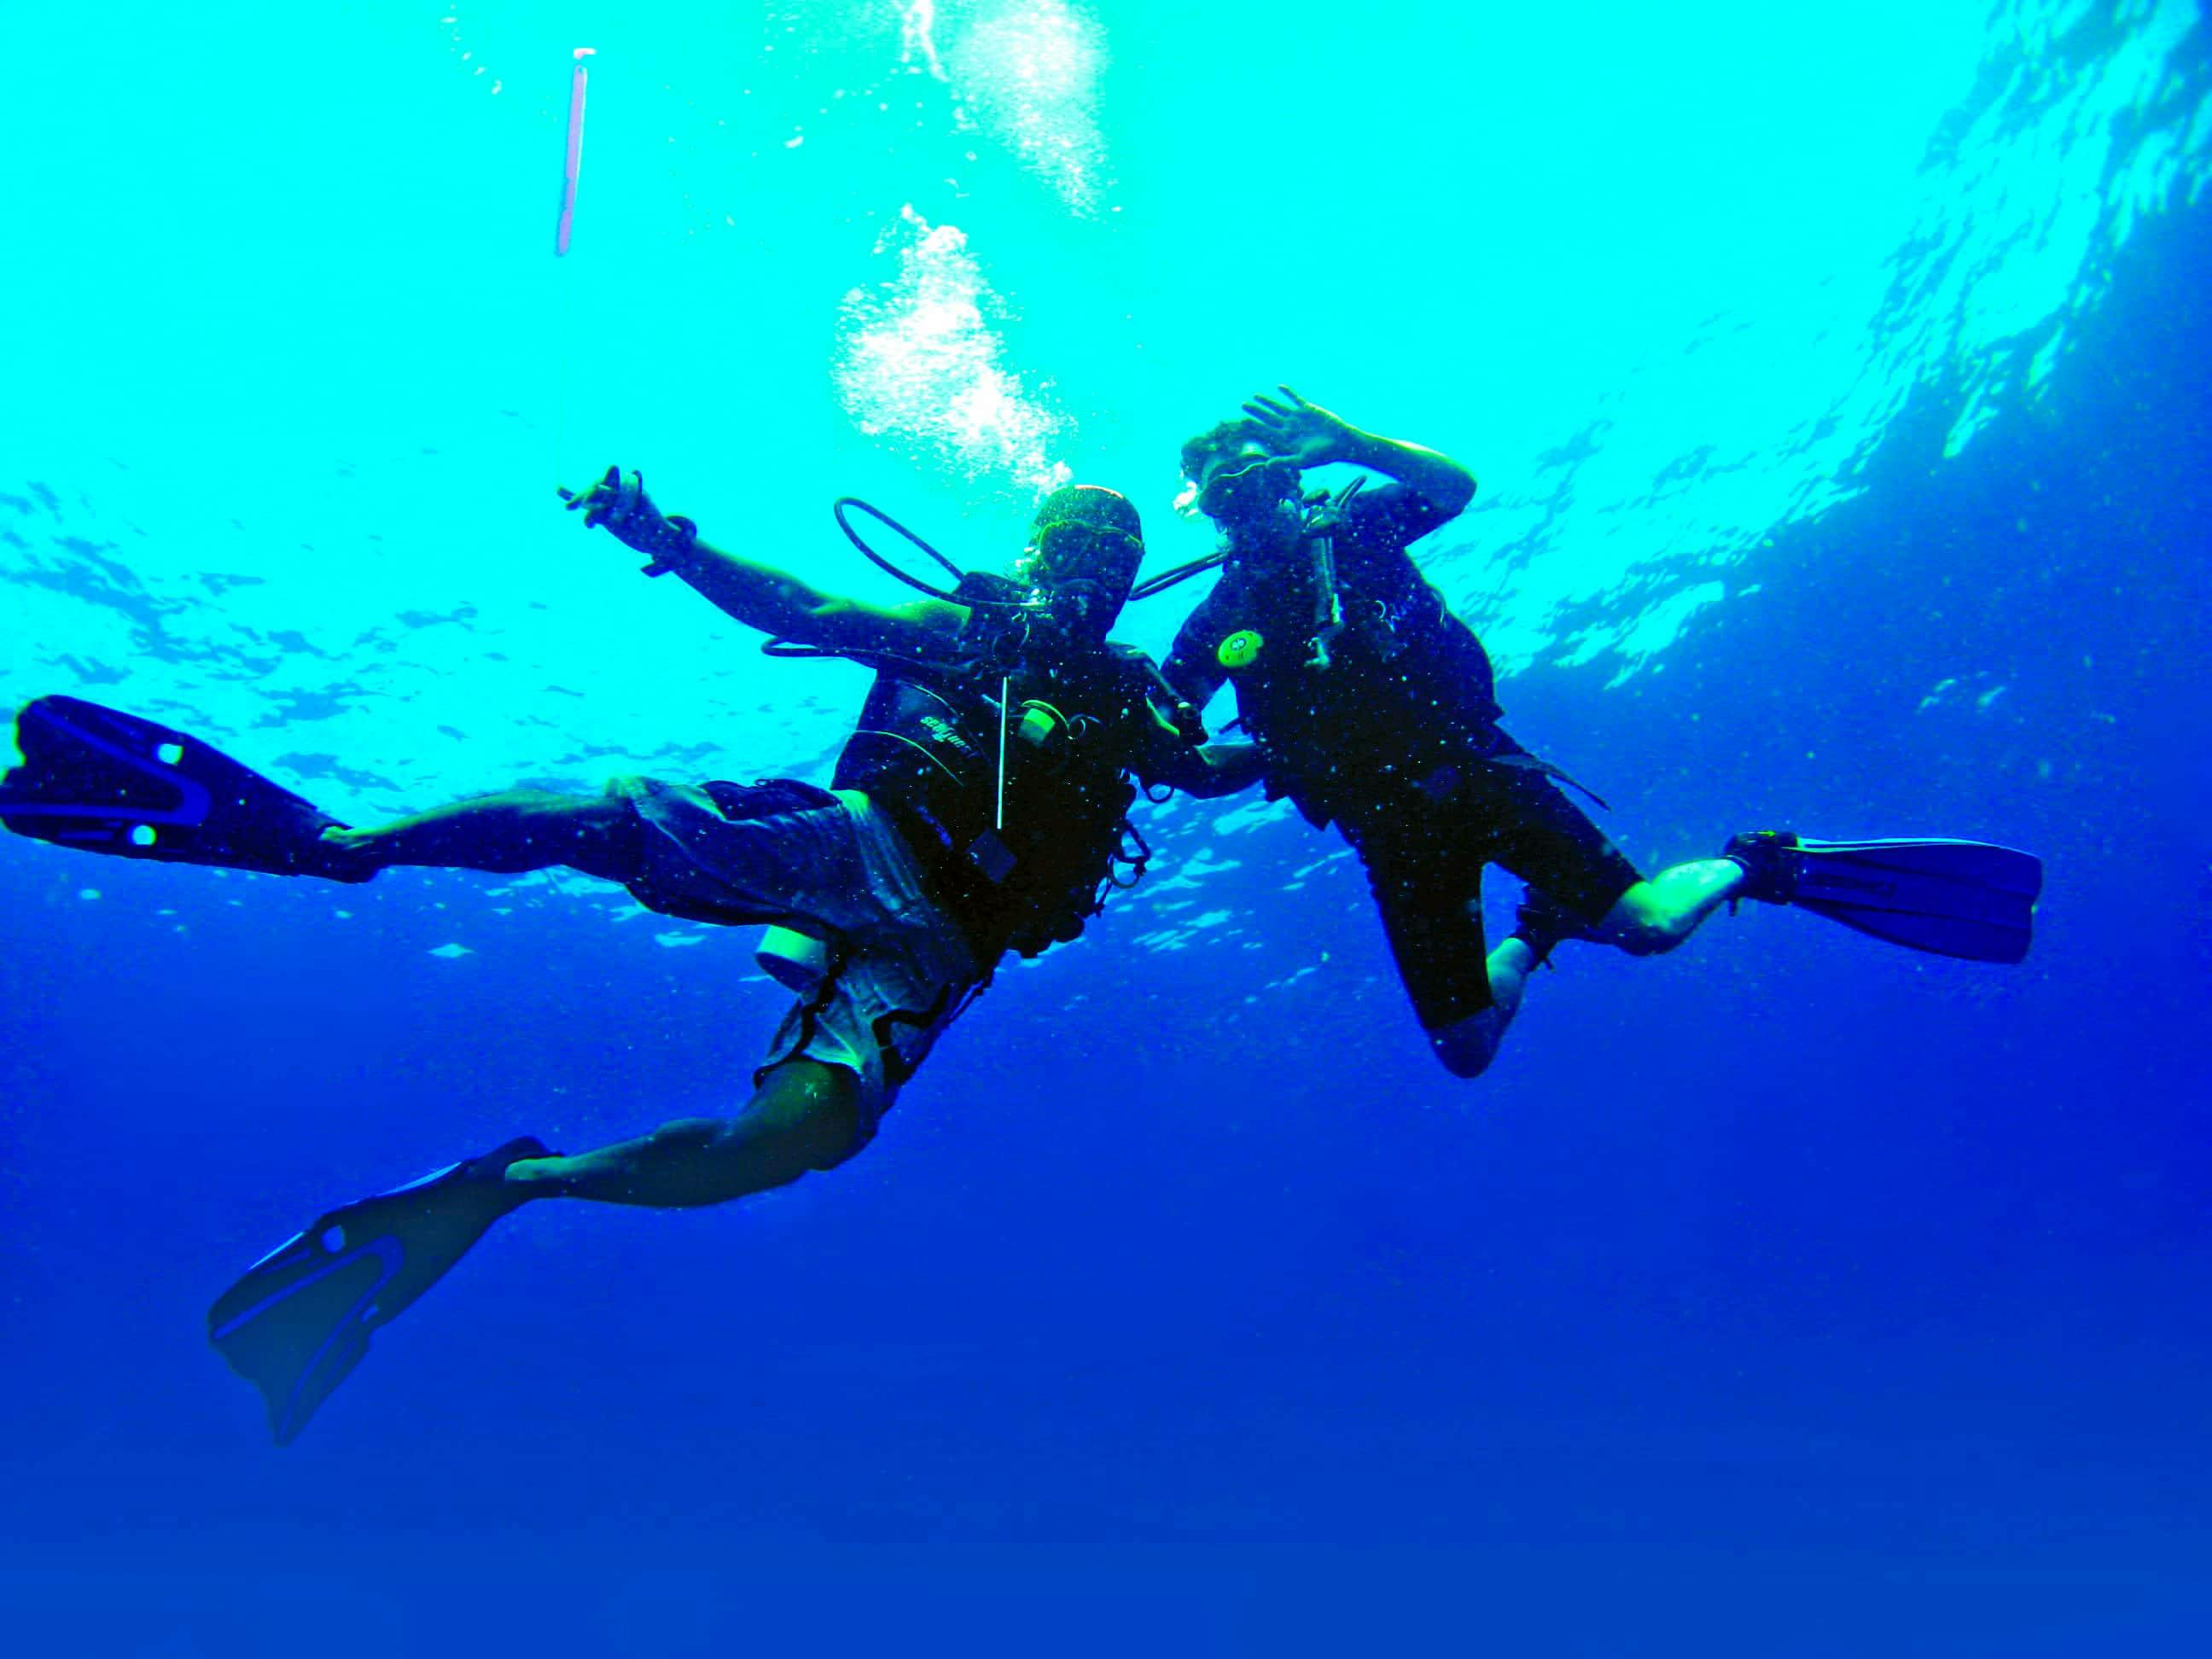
1950,898
105,782
300,1320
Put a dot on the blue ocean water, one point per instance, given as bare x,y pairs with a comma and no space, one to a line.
1838,398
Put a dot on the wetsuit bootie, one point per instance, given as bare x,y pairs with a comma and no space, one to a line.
1768,858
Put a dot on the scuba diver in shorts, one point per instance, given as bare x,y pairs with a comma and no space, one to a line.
1375,709
979,807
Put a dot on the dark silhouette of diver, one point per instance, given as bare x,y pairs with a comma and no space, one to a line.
1375,707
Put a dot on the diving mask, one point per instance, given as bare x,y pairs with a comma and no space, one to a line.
1251,475
1048,566
1066,546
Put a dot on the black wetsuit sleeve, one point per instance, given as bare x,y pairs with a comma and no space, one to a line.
1192,667
1395,514
1161,759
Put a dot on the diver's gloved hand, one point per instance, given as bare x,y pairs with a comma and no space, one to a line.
1302,432
618,503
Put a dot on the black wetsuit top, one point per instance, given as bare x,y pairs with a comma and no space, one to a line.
925,750
1398,742
1409,692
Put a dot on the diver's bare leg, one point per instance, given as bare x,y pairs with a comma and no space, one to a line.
1654,916
1650,918
1467,1046
507,834
805,1115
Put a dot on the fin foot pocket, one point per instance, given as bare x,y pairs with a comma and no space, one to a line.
300,1319
1769,864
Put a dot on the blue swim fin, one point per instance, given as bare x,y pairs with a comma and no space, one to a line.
105,782
299,1320
1950,898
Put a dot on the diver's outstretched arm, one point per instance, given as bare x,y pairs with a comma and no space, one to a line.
785,607
778,604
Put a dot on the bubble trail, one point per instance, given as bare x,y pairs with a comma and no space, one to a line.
575,162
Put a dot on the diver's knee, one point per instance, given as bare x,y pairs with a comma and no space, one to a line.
1640,926
601,836
1467,1046
816,1111
1647,938
836,1134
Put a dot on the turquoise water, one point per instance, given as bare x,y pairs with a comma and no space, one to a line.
1834,380
1662,275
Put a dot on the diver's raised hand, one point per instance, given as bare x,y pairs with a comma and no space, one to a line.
619,504
1302,432
602,500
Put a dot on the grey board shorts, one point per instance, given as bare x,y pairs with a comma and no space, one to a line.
895,969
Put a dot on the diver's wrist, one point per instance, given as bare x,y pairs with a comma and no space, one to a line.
672,545
1358,448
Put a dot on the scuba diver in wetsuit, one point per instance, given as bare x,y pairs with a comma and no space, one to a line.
979,806
1376,709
